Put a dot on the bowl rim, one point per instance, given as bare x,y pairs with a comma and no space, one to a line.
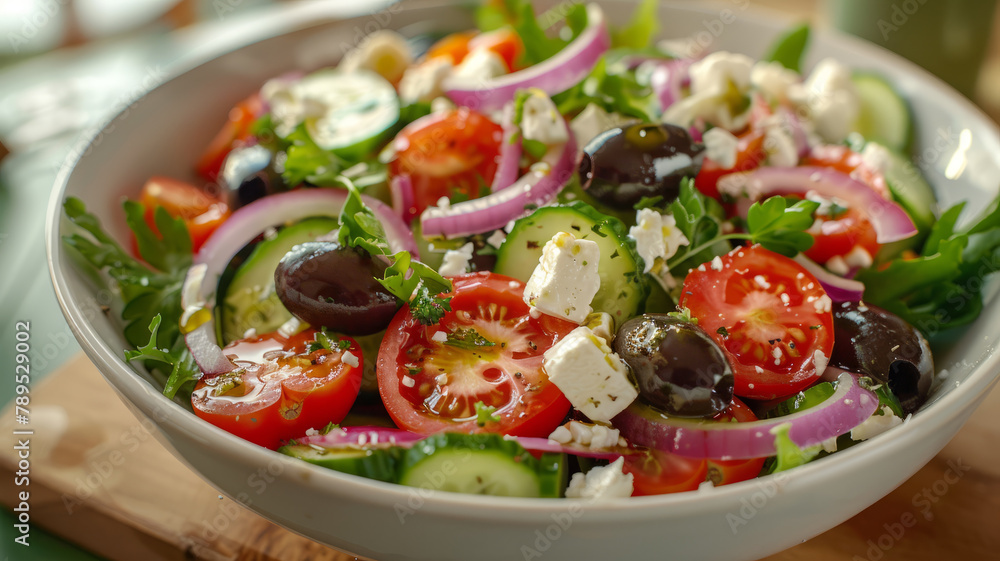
132,388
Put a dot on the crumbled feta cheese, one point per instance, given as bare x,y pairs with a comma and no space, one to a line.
876,157
717,263
601,483
561,435
591,376
542,121
592,121
409,382
820,360
773,80
823,304
719,84
837,265
565,280
762,282
581,432
657,238
876,425
249,333
351,359
602,324
442,105
423,82
497,238
831,99
311,432
290,327
858,257
439,337
778,143
288,105
603,437
480,65
384,52
829,445
456,261
721,146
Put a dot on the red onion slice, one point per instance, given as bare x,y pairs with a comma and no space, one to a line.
401,191
668,78
511,148
200,338
534,444
849,406
555,75
889,219
837,288
536,188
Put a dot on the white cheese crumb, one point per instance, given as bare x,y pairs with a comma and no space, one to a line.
496,239
561,435
384,52
823,304
311,432
858,257
479,66
542,121
820,360
565,280
876,425
592,121
456,261
716,263
351,359
721,146
601,483
439,337
829,445
762,282
424,82
409,382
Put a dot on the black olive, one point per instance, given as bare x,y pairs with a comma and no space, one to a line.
325,284
248,174
871,341
622,165
681,371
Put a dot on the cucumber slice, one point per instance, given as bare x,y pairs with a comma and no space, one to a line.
250,300
911,190
360,110
553,474
884,116
373,463
479,464
623,289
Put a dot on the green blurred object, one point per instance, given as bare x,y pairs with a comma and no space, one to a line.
43,545
949,38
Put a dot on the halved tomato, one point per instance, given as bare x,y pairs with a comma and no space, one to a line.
451,154
235,130
280,389
771,317
655,472
505,42
725,472
837,236
487,350
201,211
749,156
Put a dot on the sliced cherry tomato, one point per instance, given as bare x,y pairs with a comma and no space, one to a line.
749,156
202,212
770,316
842,158
837,237
725,472
504,42
487,349
447,155
235,131
280,390
655,472
455,46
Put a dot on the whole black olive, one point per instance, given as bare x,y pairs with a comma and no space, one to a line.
681,371
871,341
622,165
326,284
248,174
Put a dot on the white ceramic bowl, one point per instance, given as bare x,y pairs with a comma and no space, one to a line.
163,133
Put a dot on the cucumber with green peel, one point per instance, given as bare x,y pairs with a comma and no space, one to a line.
909,188
624,287
553,473
250,300
883,116
478,464
371,462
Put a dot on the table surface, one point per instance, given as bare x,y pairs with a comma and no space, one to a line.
104,70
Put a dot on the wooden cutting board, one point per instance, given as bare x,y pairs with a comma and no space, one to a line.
99,479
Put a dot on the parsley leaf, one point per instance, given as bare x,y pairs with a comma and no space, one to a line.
616,89
641,29
485,414
428,309
323,339
307,162
790,47
684,314
468,339
779,227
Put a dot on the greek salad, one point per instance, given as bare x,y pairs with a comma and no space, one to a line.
551,257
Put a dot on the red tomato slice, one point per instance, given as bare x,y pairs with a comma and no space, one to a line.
837,237
281,390
725,472
235,130
749,156
430,385
504,42
770,316
655,472
202,213
446,155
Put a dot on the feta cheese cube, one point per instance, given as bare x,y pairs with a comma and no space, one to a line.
831,99
384,52
773,80
591,376
719,84
875,425
601,483
603,325
541,120
657,238
456,261
424,82
566,278
721,146
351,359
479,66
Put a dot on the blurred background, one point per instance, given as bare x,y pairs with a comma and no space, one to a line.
68,65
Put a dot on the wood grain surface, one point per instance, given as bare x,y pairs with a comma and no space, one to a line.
100,479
